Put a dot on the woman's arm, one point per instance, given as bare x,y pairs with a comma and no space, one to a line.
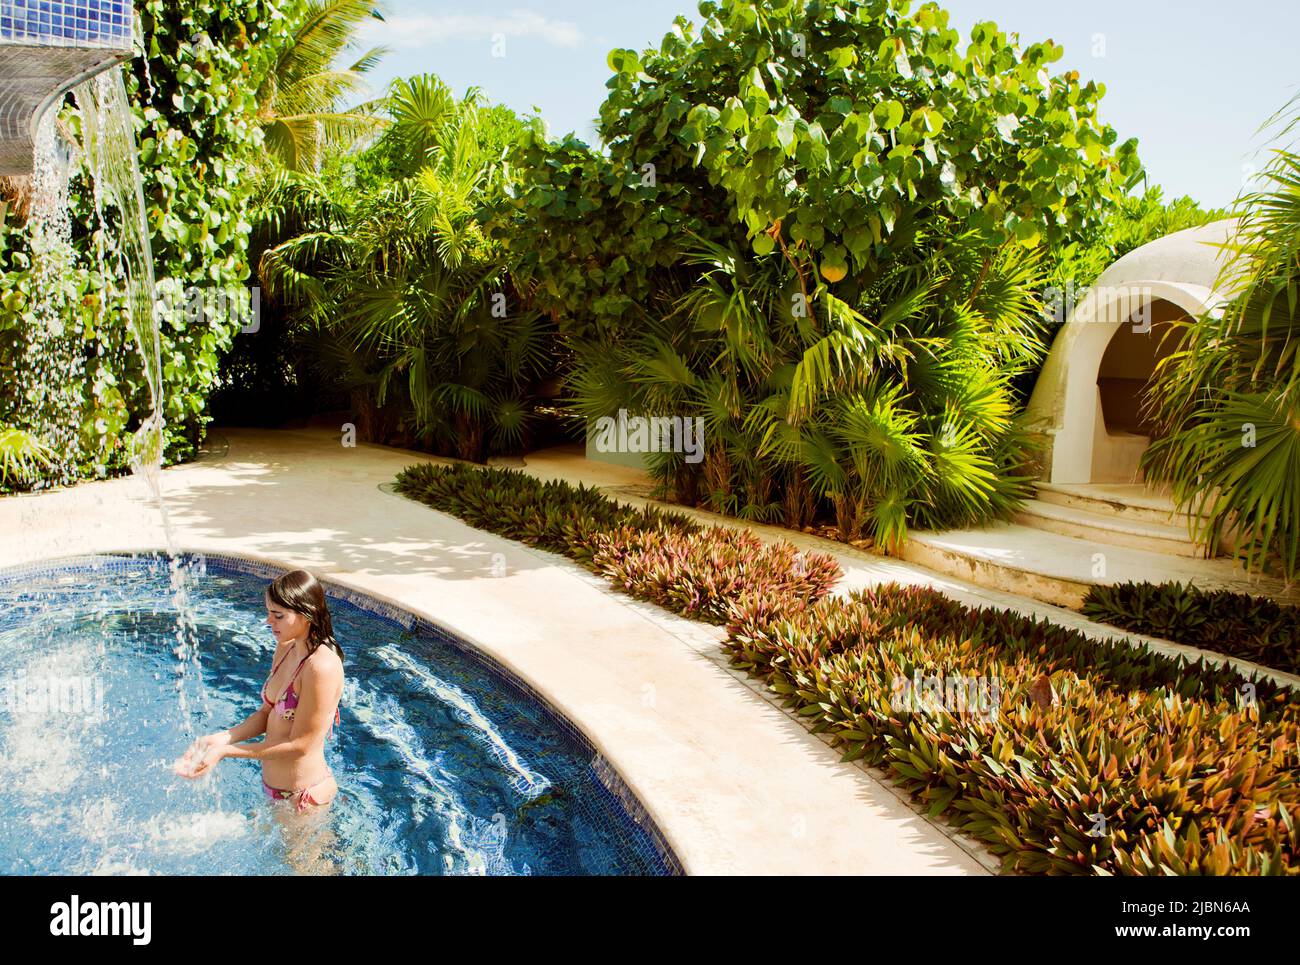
192,762
322,687
252,725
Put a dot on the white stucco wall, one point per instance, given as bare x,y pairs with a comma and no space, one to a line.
1181,268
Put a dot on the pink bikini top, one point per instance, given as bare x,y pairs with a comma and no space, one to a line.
286,704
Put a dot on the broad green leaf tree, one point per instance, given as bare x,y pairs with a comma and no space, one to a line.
832,218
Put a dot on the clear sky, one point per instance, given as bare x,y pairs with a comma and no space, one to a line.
1191,79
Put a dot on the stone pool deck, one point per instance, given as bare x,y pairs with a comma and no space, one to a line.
736,785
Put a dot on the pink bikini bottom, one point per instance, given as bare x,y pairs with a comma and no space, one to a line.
283,794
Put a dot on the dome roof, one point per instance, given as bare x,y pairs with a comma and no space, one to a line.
1188,256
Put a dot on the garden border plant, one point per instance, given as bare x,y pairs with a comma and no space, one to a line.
1236,624
663,557
1106,757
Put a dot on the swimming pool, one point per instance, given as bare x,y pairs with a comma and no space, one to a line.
446,763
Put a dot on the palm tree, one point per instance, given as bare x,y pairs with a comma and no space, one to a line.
299,102
22,456
891,405
403,294
1227,403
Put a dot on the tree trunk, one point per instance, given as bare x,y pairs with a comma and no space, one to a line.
797,500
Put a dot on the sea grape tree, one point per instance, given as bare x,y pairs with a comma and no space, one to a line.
821,226
841,132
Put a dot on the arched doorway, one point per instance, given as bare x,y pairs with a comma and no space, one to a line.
1122,426
1086,405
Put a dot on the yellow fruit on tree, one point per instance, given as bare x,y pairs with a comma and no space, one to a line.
832,272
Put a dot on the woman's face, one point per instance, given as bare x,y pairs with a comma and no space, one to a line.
285,624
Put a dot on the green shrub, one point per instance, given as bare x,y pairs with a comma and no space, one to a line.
392,289
195,115
1236,624
552,516
1181,771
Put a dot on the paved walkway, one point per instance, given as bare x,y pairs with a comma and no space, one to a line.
862,569
736,784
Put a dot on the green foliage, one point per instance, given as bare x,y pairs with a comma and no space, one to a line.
901,417
596,239
850,131
1098,758
299,101
22,457
1253,628
864,127
1227,402
195,113
198,147
1137,219
659,556
818,228
395,288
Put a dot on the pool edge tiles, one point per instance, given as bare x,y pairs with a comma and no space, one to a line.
604,772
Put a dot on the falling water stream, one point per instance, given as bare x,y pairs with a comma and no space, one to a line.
122,252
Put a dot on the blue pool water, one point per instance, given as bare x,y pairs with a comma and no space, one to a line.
445,764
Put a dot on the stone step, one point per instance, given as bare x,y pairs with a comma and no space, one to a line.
1111,529
1133,502
1060,569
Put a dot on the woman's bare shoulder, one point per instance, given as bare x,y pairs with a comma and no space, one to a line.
324,665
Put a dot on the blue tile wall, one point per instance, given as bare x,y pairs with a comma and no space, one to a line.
66,22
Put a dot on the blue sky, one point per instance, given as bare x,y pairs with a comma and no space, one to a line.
1191,79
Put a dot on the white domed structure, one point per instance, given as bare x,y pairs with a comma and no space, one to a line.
1087,402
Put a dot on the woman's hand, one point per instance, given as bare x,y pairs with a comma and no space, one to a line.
209,740
202,756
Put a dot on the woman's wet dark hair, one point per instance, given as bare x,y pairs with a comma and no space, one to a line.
301,592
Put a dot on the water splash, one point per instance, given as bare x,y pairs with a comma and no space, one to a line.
121,248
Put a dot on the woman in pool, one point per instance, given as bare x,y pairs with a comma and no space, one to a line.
307,674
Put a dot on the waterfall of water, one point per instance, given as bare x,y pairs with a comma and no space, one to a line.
122,249
109,144
51,366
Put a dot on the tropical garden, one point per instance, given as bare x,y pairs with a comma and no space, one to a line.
837,233
830,231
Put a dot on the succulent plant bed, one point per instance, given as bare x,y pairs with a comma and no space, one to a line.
1234,624
1071,756
1101,758
664,557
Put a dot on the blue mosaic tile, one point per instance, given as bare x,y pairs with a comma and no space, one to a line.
64,21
